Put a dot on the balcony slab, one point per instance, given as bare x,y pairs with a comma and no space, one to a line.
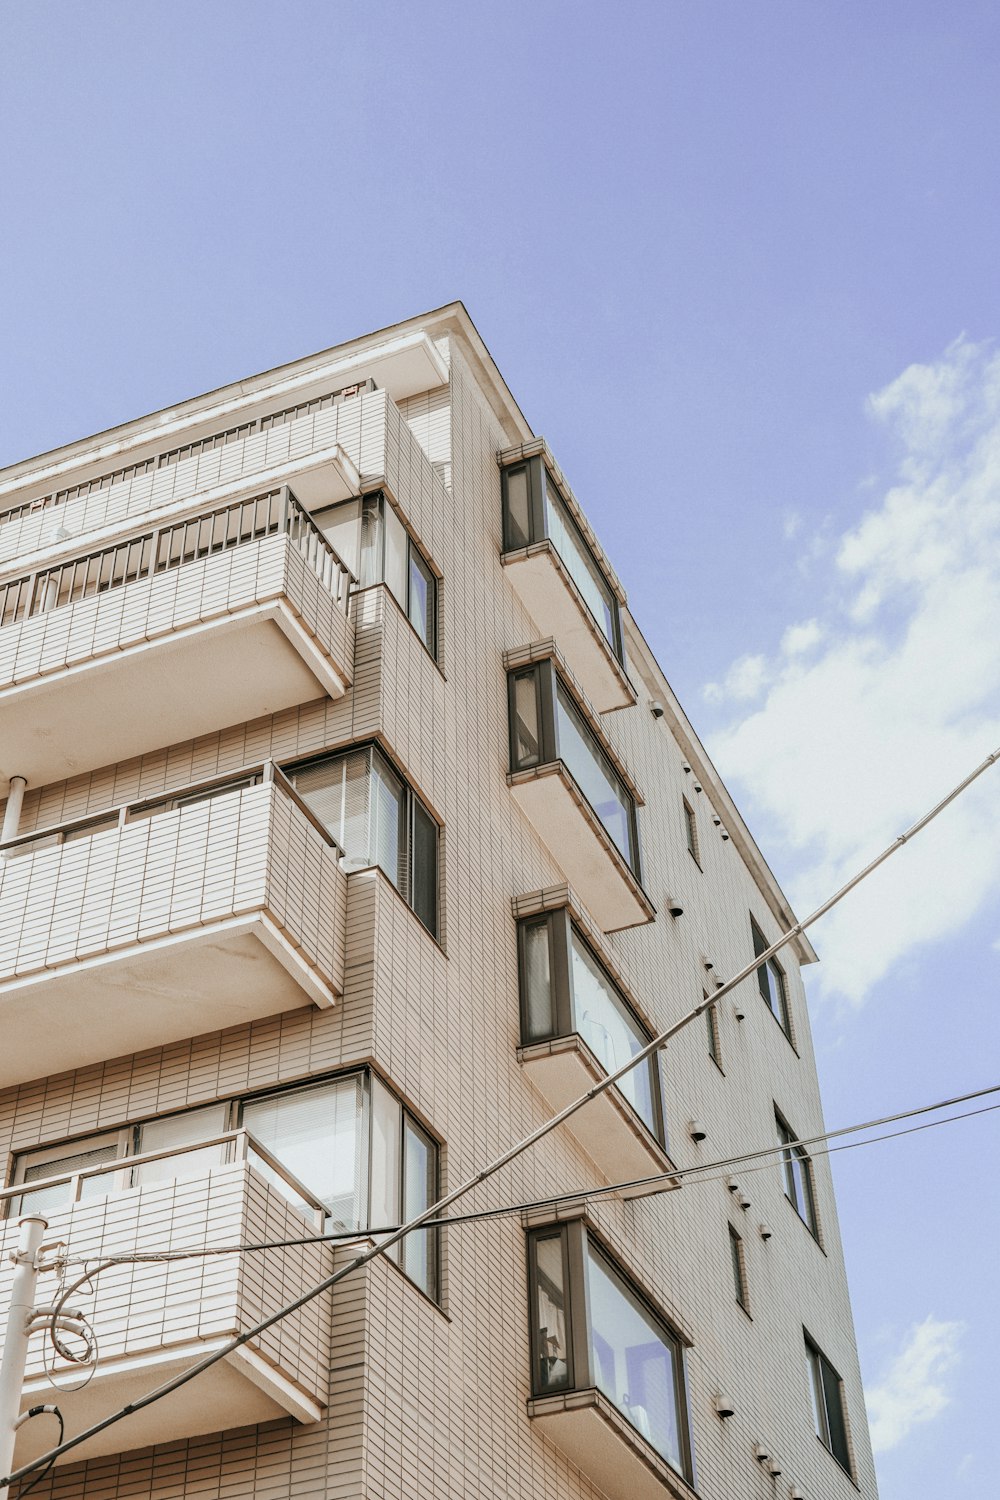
603,1445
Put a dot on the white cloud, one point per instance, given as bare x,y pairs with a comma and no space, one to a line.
868,715
914,1388
744,681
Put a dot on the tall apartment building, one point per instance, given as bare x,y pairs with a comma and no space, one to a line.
352,829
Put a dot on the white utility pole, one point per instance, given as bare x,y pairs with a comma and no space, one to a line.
15,1349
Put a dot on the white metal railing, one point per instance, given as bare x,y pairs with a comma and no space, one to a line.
232,1146
123,813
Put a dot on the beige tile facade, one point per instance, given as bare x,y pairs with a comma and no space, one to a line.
421,1400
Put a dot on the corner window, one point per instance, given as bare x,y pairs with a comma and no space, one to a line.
344,1149
565,989
377,820
533,510
771,982
739,1268
798,1174
389,555
829,1414
546,725
592,1329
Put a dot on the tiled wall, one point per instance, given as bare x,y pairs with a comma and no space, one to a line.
431,1403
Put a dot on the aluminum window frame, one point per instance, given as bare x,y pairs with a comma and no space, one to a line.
796,1166
579,1244
826,1389
540,480
561,930
548,680
764,970
414,552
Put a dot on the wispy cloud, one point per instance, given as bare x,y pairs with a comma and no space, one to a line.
914,1388
870,711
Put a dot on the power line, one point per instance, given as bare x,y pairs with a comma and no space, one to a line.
435,1209
753,1160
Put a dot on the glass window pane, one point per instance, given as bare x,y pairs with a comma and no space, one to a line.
386,1143
180,1130
836,1424
341,525
593,773
372,548
46,1200
316,1133
388,824
635,1362
518,517
336,790
816,1391
527,731
552,1373
424,897
737,1259
419,1181
421,604
569,543
537,980
396,548
602,1019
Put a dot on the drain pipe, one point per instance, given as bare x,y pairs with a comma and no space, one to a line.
12,812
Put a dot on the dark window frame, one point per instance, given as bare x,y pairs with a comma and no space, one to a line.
560,929
761,945
414,551
411,800
548,679
579,1241
737,1256
714,1036
539,479
829,1405
793,1155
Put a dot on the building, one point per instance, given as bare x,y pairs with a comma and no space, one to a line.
352,829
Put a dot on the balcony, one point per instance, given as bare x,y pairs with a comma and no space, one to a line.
155,1319
578,797
170,634
561,575
162,920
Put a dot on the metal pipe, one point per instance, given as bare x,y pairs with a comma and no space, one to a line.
12,812
15,1349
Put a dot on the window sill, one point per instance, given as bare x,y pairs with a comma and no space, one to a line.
812,1233
840,1467
605,1446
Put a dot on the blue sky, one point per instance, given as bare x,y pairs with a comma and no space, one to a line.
738,263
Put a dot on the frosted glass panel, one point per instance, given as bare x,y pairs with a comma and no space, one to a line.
341,525
180,1130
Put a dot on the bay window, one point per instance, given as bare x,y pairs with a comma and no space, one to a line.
534,510
565,989
377,819
591,1329
546,725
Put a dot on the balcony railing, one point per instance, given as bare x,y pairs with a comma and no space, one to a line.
247,607
154,1318
164,918
189,452
156,551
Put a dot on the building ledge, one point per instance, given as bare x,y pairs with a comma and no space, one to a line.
594,1436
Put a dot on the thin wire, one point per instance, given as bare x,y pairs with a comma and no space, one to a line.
161,1257
435,1209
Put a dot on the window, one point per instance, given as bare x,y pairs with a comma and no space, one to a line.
797,1170
377,820
827,1392
739,1268
345,1142
389,555
771,982
691,831
711,1014
546,725
533,510
592,1329
565,989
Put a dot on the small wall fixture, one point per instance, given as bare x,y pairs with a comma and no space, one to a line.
725,1406
685,768
743,1201
775,1468
738,1011
717,820
697,1131
708,964
733,1186
656,709
674,907
725,837
719,982
766,1231
795,1493
698,786
760,1453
